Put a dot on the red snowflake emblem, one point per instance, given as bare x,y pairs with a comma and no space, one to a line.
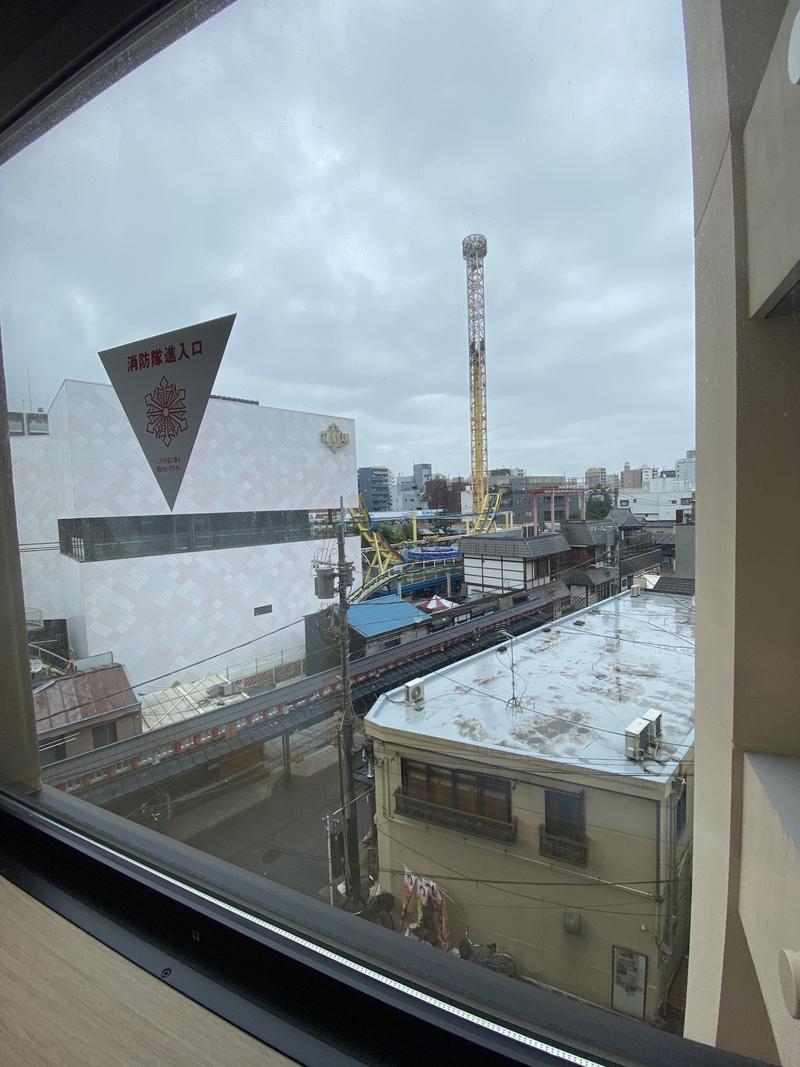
166,411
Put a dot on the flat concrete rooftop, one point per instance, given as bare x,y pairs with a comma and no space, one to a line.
580,682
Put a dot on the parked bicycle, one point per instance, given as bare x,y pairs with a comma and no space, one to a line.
494,960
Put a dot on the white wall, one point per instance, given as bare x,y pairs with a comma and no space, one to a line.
660,505
246,458
33,461
157,613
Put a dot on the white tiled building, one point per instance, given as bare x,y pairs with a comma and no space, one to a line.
162,589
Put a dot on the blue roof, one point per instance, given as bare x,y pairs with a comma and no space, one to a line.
382,614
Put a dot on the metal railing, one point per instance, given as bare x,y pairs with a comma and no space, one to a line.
563,848
451,819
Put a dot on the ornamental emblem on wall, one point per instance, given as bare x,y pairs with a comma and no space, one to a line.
334,438
166,411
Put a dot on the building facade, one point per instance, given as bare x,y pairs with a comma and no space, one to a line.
508,772
595,478
502,562
161,589
375,488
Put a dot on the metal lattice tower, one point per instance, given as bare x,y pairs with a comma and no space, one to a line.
474,250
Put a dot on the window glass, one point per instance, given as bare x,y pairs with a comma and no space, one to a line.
349,180
564,814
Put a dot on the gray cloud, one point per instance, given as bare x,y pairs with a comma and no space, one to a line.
314,167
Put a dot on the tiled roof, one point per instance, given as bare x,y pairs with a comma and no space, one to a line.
669,584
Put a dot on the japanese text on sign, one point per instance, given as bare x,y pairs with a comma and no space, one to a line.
157,356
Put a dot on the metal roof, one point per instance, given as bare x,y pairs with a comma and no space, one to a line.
382,614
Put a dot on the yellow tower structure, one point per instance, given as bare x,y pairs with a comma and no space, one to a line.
474,250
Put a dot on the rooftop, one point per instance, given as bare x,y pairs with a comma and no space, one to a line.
581,682
394,613
511,544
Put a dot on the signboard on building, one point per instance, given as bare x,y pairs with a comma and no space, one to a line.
164,383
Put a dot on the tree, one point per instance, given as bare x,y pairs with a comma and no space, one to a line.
442,527
598,503
389,531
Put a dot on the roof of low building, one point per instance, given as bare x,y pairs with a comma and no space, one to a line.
624,519
102,693
592,576
580,681
512,545
581,533
382,614
668,583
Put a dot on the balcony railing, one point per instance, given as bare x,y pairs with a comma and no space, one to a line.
563,848
451,819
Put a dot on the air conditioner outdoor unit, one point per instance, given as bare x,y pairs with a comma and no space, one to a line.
653,717
637,739
635,590
415,692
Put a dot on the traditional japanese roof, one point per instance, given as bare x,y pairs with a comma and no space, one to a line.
592,577
624,519
514,546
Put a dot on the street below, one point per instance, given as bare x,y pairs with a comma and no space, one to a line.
283,836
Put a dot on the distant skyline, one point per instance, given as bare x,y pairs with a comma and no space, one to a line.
315,167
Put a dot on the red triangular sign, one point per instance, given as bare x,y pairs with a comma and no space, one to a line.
163,384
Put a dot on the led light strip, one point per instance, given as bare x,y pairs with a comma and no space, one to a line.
376,976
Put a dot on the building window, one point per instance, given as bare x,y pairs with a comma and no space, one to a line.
564,814
16,424
542,567
104,734
123,537
563,833
686,500
53,751
474,794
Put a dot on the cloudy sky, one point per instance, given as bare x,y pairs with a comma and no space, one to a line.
314,167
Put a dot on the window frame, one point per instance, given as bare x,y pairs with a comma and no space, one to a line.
484,783
562,796
100,847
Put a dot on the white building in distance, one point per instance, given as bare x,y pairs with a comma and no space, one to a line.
161,589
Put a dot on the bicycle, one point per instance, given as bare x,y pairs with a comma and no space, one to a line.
501,962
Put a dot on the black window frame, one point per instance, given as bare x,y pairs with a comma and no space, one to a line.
248,949
557,825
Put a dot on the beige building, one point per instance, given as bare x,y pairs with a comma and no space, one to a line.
744,969
507,782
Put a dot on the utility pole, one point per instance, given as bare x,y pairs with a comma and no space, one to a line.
349,815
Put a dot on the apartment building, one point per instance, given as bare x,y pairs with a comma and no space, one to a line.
518,766
375,485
